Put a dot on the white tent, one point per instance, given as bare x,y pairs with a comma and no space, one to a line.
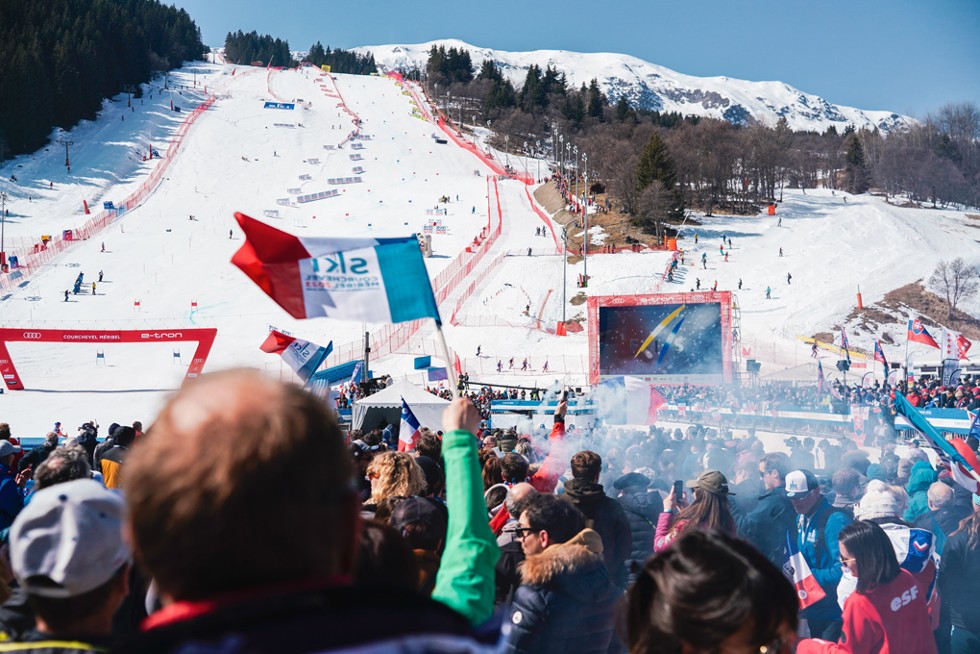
387,404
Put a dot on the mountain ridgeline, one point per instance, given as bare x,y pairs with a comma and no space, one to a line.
61,58
704,162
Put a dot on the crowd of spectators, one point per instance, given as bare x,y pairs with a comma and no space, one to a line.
254,524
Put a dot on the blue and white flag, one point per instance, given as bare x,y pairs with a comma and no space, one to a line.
302,356
409,430
364,279
356,375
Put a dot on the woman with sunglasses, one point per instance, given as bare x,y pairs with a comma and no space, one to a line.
711,593
887,614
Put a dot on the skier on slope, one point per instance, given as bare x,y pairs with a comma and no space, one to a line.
478,348
789,278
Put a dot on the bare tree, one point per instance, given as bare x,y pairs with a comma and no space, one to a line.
958,280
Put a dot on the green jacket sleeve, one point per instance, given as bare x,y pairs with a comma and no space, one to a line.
465,581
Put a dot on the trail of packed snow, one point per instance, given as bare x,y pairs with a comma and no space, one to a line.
171,254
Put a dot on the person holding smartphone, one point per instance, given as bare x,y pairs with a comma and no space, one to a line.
709,510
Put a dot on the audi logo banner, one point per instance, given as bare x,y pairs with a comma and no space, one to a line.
204,337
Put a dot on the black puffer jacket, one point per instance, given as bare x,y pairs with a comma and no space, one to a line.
766,527
608,519
642,510
565,603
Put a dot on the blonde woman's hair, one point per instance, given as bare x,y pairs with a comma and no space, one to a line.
397,474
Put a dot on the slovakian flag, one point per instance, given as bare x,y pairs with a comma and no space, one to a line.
969,467
808,590
843,343
409,429
960,473
917,333
302,356
630,401
880,356
366,279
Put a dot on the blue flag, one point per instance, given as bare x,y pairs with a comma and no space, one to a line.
917,420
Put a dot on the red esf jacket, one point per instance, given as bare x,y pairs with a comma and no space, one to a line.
891,619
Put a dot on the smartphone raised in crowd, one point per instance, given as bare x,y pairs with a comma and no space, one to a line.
678,489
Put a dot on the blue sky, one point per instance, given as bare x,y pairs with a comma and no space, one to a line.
908,56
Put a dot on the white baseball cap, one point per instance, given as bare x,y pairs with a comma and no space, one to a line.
68,540
799,483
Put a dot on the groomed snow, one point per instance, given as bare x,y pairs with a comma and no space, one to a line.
236,158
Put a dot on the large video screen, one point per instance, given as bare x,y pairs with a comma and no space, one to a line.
671,338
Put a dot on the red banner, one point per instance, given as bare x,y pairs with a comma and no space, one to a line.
203,336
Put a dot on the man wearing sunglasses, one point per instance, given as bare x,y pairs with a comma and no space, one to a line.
565,602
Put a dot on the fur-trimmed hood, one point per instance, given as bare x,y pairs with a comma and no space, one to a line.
582,551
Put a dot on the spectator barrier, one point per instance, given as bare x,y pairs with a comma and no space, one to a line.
30,259
544,217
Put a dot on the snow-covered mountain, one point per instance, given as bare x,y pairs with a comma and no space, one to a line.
654,87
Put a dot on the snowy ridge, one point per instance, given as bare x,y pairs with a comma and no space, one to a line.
649,86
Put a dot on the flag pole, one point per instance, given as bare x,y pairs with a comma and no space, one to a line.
906,380
450,365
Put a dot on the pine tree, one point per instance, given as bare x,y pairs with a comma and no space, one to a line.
655,164
624,112
596,101
856,170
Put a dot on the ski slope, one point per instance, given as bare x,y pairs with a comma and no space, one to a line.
171,253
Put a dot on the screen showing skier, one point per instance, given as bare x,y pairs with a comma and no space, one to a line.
671,339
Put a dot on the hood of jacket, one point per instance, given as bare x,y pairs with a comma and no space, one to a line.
581,552
921,478
582,492
642,503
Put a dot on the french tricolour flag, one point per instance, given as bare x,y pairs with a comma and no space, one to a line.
634,401
366,279
409,430
798,570
302,356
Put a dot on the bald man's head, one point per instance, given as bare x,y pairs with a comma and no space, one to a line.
517,496
241,481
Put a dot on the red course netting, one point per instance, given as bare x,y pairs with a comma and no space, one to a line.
40,253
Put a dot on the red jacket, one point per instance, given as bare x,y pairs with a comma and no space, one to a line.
891,619
546,478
